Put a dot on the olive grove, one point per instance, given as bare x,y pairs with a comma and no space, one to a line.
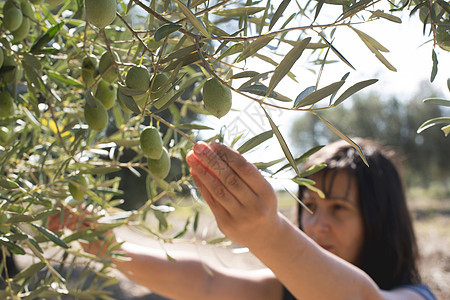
84,83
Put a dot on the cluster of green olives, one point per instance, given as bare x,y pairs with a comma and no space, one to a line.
16,18
158,158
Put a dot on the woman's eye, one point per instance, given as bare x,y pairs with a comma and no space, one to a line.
339,207
310,205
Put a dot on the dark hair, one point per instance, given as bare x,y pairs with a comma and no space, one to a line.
389,254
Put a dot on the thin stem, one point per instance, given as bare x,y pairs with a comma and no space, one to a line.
170,125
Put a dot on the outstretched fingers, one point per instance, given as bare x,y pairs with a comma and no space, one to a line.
244,169
220,179
215,193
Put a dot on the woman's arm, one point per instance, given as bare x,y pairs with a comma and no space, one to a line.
185,278
245,207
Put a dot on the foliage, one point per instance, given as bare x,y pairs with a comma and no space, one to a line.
54,63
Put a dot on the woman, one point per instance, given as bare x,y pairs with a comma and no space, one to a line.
358,243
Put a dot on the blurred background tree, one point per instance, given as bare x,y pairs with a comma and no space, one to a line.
392,122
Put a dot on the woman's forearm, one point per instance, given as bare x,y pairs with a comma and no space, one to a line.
307,270
188,278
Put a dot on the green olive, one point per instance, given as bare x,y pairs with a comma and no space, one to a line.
12,18
76,192
106,66
22,31
160,167
216,97
101,13
88,66
6,104
151,142
96,117
106,93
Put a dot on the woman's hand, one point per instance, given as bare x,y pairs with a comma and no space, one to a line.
76,219
242,201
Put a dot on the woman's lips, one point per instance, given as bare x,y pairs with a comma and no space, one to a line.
327,247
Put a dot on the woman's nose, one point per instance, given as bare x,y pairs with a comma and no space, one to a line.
320,221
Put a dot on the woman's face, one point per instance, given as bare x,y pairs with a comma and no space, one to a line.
336,223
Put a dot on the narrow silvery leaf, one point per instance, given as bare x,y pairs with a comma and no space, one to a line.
244,74
353,89
433,122
29,271
299,201
129,102
318,8
437,101
384,61
265,165
239,12
278,13
375,50
309,184
253,47
434,70
286,64
337,52
51,236
304,93
345,138
193,126
446,130
320,94
236,48
193,19
302,158
368,39
261,90
381,14
264,17
255,141
282,143
165,30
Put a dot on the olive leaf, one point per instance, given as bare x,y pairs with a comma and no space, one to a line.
261,90
304,93
353,89
278,13
337,52
320,94
43,40
129,102
66,79
380,14
344,137
193,19
165,30
433,122
434,70
298,200
375,47
51,236
437,101
368,40
282,143
253,47
29,271
255,141
239,12
286,64
301,159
